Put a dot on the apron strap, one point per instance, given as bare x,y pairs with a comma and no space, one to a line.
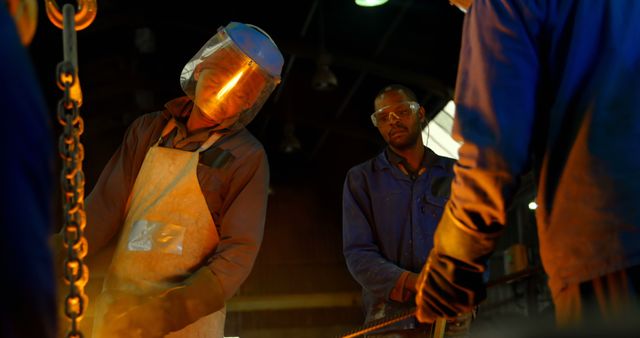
171,125
209,142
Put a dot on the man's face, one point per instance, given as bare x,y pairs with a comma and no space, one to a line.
399,124
222,92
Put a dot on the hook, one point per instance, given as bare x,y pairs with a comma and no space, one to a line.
87,10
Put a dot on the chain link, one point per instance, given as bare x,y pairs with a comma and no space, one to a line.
71,150
87,10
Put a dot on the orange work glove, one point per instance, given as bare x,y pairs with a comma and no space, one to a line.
451,281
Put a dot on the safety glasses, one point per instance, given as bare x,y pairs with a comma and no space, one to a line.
394,112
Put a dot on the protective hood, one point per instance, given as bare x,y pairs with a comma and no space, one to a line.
233,74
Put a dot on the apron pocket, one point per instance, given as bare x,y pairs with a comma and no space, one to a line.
156,236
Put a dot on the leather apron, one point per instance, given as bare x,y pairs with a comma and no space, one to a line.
168,234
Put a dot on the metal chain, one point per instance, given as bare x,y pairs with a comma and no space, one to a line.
87,10
71,151
76,273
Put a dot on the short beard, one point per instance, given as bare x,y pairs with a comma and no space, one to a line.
409,142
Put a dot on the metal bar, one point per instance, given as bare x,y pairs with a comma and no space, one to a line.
293,301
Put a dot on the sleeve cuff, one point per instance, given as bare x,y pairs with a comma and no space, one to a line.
399,293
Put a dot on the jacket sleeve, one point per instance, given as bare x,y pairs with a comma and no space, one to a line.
364,259
496,99
28,304
242,225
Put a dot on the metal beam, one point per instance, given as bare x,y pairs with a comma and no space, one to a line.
294,301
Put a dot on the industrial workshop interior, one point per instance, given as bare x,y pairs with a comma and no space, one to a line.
315,126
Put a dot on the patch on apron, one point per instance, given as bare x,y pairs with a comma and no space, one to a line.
157,236
216,158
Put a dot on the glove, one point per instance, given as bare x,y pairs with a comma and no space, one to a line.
133,316
112,308
451,281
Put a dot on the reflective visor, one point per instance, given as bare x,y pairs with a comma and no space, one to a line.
227,85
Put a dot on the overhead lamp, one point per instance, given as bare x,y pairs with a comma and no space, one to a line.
370,3
290,143
324,79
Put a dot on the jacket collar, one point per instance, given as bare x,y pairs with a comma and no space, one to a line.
180,108
388,159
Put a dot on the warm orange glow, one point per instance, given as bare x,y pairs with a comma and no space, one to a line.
87,10
229,85
72,267
74,304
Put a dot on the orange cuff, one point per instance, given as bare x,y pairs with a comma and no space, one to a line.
398,293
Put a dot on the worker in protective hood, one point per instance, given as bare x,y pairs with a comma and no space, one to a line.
183,200
227,85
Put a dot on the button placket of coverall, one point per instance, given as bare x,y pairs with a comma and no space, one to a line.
423,196
427,201
434,203
416,203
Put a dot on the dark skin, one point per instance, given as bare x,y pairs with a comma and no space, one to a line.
404,135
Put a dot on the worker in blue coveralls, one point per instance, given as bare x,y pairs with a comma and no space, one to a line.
391,206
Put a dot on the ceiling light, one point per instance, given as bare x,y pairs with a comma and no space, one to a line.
533,205
324,78
370,3
290,143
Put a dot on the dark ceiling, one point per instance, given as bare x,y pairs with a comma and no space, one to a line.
131,56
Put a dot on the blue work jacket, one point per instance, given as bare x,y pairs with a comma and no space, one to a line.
555,84
389,220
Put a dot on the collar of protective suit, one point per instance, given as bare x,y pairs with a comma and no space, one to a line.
181,107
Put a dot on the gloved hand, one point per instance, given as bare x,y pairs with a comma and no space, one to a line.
132,316
115,320
451,281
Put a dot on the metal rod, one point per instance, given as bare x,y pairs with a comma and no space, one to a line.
69,51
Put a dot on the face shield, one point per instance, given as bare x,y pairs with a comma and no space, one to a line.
233,74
